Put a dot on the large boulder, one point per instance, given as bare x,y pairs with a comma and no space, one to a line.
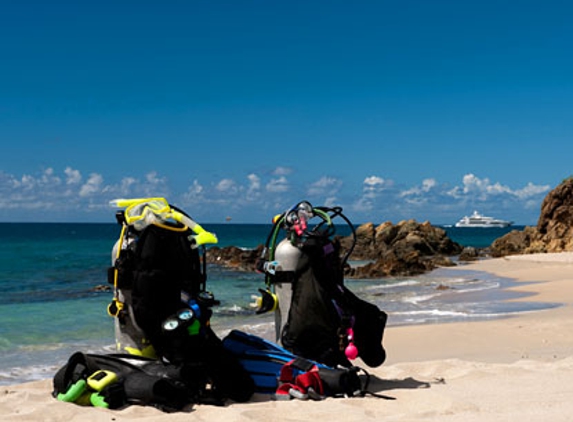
554,230
517,242
234,257
556,217
405,248
555,224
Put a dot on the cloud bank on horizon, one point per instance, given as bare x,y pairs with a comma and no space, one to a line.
69,195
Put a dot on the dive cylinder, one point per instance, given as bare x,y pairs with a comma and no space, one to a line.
129,337
287,257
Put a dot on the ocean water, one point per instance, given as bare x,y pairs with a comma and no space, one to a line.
49,308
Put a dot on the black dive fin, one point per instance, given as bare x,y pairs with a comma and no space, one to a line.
149,390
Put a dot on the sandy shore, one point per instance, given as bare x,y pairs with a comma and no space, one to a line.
514,369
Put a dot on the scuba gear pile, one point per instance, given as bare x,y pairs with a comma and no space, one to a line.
170,357
316,315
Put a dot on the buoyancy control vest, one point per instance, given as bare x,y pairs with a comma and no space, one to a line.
161,306
316,315
157,271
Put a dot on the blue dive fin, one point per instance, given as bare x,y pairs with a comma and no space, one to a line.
262,359
238,342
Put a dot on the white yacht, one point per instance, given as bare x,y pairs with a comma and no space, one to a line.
479,220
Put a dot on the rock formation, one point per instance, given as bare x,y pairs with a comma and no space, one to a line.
554,230
234,257
406,248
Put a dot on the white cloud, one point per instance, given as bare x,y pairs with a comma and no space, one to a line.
74,177
253,190
472,183
373,180
195,188
7,182
226,186
372,188
483,189
27,182
531,190
92,186
362,205
49,178
278,185
324,186
126,185
193,195
282,171
154,185
152,179
427,186
373,185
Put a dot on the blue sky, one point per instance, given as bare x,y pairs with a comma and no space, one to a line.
392,110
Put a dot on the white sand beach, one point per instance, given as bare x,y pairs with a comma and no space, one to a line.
513,369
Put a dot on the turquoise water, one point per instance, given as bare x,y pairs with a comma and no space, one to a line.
476,236
49,309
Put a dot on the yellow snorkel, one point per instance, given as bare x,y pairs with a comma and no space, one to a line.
201,236
140,212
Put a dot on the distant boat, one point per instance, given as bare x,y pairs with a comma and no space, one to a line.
479,220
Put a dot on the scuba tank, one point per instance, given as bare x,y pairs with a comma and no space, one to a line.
281,264
287,257
285,262
316,316
129,336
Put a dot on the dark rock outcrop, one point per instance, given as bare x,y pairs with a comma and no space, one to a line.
554,230
235,258
469,253
406,248
517,242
